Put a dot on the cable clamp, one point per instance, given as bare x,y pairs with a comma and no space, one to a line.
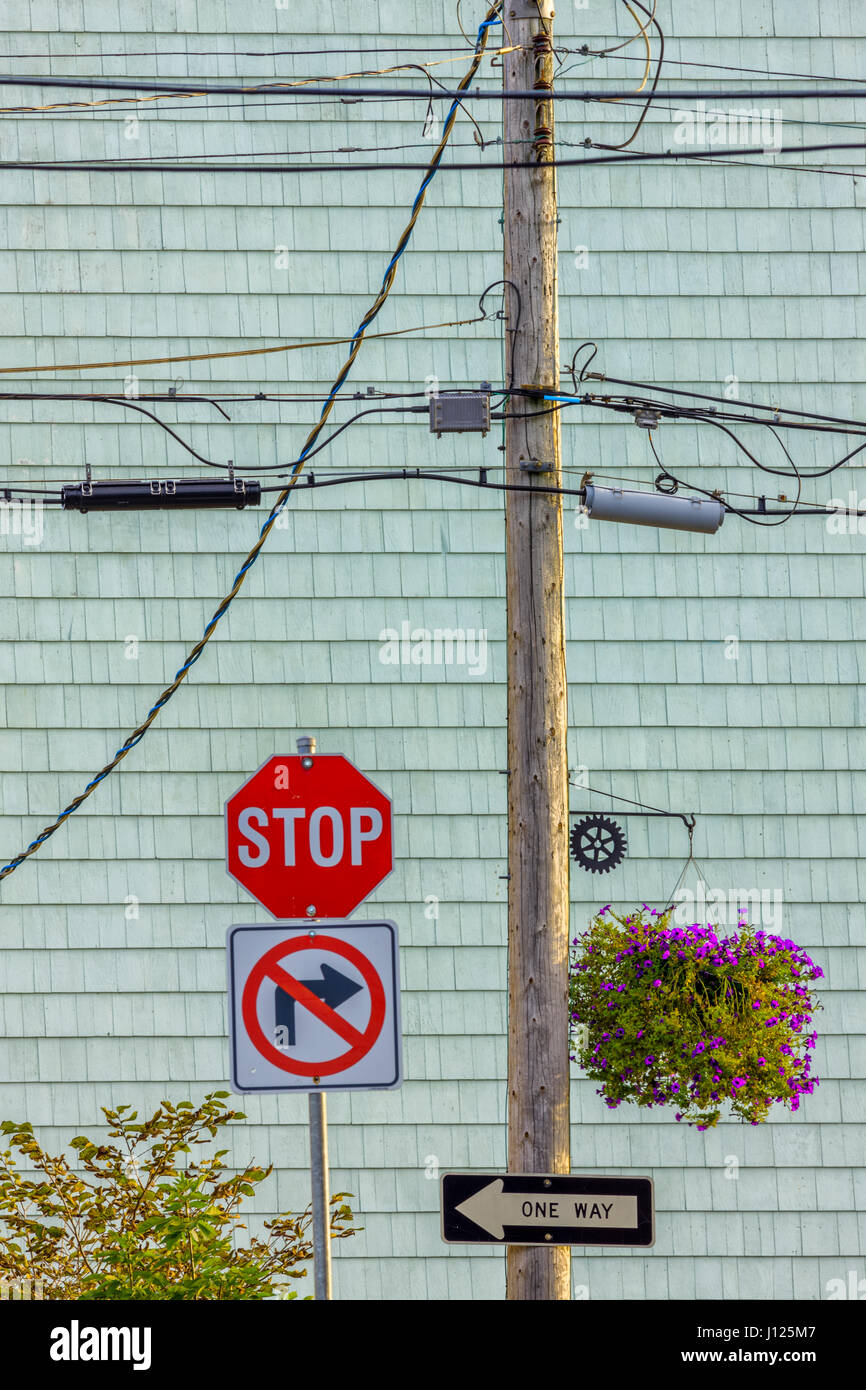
170,487
154,487
535,466
647,419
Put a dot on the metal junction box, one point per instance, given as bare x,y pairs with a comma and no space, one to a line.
460,412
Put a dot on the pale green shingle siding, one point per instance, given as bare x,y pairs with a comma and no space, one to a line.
694,274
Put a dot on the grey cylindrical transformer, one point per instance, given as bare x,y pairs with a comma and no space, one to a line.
654,509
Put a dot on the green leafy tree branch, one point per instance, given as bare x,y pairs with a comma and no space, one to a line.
141,1218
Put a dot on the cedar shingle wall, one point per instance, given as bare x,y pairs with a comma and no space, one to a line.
694,275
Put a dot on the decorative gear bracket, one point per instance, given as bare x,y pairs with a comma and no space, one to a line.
598,844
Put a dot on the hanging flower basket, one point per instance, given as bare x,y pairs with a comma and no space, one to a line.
668,1015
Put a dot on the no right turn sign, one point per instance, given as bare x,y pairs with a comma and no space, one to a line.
314,1006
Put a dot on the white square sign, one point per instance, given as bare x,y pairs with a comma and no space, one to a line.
314,1006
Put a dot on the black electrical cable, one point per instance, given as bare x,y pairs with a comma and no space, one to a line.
605,52
744,513
411,474
312,481
399,409
117,398
576,381
628,404
128,405
584,51
108,109
5,489
275,467
502,313
147,115
623,404
371,410
725,400
289,89
783,472
651,16
463,107
782,120
246,53
131,405
717,495
391,166
530,414
721,67
212,398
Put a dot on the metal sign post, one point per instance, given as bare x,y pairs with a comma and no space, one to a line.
314,997
320,1185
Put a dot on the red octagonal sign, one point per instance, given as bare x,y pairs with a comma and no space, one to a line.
309,836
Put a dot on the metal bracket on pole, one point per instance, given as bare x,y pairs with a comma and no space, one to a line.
530,9
319,1177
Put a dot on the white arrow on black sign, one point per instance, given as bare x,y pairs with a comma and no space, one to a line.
558,1209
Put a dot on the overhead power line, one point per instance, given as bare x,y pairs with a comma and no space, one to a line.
721,400
720,67
461,94
242,53
426,49
127,167
234,352
285,493
314,480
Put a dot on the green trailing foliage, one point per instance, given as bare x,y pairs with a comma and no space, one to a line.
141,1218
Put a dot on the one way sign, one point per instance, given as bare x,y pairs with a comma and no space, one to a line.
557,1209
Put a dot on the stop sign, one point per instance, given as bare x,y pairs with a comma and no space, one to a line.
309,836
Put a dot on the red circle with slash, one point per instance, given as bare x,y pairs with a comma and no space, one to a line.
269,968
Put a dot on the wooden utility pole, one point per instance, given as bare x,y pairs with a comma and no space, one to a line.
538,1076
